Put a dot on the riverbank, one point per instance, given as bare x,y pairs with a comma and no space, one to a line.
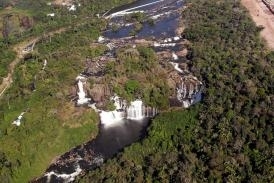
262,16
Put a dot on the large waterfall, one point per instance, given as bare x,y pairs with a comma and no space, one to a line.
135,110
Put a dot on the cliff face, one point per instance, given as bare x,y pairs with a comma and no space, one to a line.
100,93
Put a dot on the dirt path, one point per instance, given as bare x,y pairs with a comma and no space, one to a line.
18,48
261,15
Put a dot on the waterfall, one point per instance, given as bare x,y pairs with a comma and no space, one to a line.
176,66
186,103
45,64
101,39
189,91
184,90
17,122
135,110
118,102
81,93
174,56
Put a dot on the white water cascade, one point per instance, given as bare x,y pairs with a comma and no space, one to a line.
135,110
17,122
174,56
176,67
81,93
45,64
112,117
189,92
128,11
66,177
162,45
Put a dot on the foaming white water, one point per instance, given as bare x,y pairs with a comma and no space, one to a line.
135,110
111,117
197,98
127,11
101,39
66,177
164,44
45,64
72,8
176,38
123,13
160,15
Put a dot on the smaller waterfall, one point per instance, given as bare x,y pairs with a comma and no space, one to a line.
81,93
119,103
174,56
189,91
17,122
101,39
45,64
176,67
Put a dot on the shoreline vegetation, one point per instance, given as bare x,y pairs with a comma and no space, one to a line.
227,137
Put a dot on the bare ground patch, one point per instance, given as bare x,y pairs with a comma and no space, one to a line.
262,16
62,2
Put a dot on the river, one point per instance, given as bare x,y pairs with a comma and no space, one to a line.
112,139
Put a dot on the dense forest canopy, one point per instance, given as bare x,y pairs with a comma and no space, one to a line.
229,136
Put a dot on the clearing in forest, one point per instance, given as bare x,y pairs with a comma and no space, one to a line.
262,16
